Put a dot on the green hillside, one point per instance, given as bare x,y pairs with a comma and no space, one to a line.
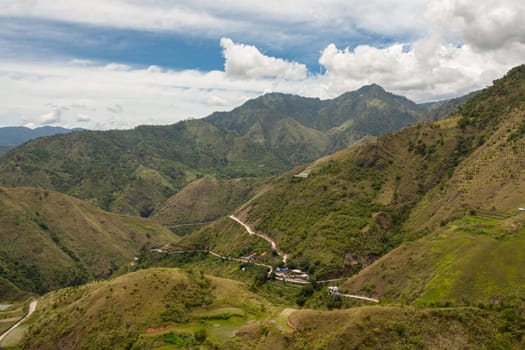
135,171
170,309
394,327
205,200
425,219
4,149
350,208
148,309
493,175
49,240
476,259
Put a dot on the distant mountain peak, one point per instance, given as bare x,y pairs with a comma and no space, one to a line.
371,88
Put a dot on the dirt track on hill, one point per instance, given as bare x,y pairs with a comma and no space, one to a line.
32,308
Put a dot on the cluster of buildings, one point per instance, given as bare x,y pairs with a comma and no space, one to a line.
292,275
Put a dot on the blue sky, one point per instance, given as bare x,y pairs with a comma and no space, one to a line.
120,63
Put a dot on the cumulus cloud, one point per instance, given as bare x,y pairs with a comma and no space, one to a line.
53,117
445,48
246,61
470,44
423,70
485,25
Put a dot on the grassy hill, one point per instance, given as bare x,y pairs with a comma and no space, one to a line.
349,209
49,240
493,175
205,200
135,171
147,309
475,259
393,327
169,308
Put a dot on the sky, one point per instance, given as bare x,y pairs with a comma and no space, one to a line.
106,64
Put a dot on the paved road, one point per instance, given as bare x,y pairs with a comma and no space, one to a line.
266,238
32,308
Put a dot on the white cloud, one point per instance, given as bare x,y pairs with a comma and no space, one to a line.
82,118
469,44
246,61
217,101
271,21
118,67
53,117
426,69
446,48
485,25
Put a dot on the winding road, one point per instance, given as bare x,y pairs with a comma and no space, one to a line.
283,256
266,238
32,308
224,257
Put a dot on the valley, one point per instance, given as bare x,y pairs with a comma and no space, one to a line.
365,221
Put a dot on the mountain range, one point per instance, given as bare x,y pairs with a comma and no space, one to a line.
415,208
135,171
12,136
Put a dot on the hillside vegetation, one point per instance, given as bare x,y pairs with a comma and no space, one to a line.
383,327
360,203
349,209
49,240
169,308
15,135
476,259
4,149
205,200
135,171
147,309
425,219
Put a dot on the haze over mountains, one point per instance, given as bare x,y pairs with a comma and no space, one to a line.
12,136
383,197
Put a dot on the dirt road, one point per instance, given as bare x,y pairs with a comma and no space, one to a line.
32,308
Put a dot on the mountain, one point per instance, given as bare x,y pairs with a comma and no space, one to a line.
49,240
285,122
340,214
348,208
135,171
439,109
15,135
427,219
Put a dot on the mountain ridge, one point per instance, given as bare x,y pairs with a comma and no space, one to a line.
135,171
